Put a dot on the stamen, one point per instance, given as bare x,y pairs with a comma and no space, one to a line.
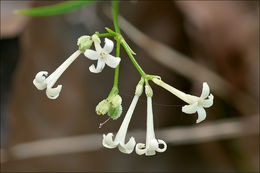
101,124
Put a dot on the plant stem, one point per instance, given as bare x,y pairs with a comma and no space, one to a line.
117,68
120,41
128,51
105,35
114,90
115,16
117,29
123,42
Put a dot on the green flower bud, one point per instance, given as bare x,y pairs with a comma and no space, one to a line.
84,42
148,91
115,112
139,89
116,101
102,107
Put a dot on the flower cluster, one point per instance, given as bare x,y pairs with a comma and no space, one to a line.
41,81
112,105
119,140
152,144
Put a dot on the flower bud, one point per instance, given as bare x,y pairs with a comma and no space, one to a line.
139,90
148,91
84,42
102,107
116,101
115,112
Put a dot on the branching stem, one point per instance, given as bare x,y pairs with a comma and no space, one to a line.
121,41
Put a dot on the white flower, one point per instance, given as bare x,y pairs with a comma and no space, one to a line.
41,82
119,140
152,144
102,55
196,104
121,134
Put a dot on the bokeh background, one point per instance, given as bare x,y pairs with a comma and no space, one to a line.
185,42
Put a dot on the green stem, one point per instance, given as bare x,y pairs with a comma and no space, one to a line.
120,41
128,51
115,16
114,90
105,35
117,29
117,68
123,42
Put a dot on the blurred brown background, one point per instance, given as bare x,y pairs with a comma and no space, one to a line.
219,38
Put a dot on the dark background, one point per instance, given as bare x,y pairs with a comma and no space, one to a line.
222,36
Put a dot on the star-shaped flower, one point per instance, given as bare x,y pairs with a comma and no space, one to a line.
102,55
197,104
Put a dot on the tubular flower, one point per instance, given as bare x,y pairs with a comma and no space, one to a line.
196,104
102,55
119,140
152,144
41,81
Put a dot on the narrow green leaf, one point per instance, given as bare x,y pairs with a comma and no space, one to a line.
110,30
60,8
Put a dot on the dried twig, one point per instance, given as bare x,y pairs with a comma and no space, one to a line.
183,64
211,131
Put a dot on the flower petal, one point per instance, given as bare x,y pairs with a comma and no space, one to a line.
53,93
201,114
91,54
190,109
109,45
208,102
112,61
97,42
153,144
99,68
39,80
140,148
128,147
164,146
108,141
152,147
95,38
205,91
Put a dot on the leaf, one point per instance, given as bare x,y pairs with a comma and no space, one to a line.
110,30
56,9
